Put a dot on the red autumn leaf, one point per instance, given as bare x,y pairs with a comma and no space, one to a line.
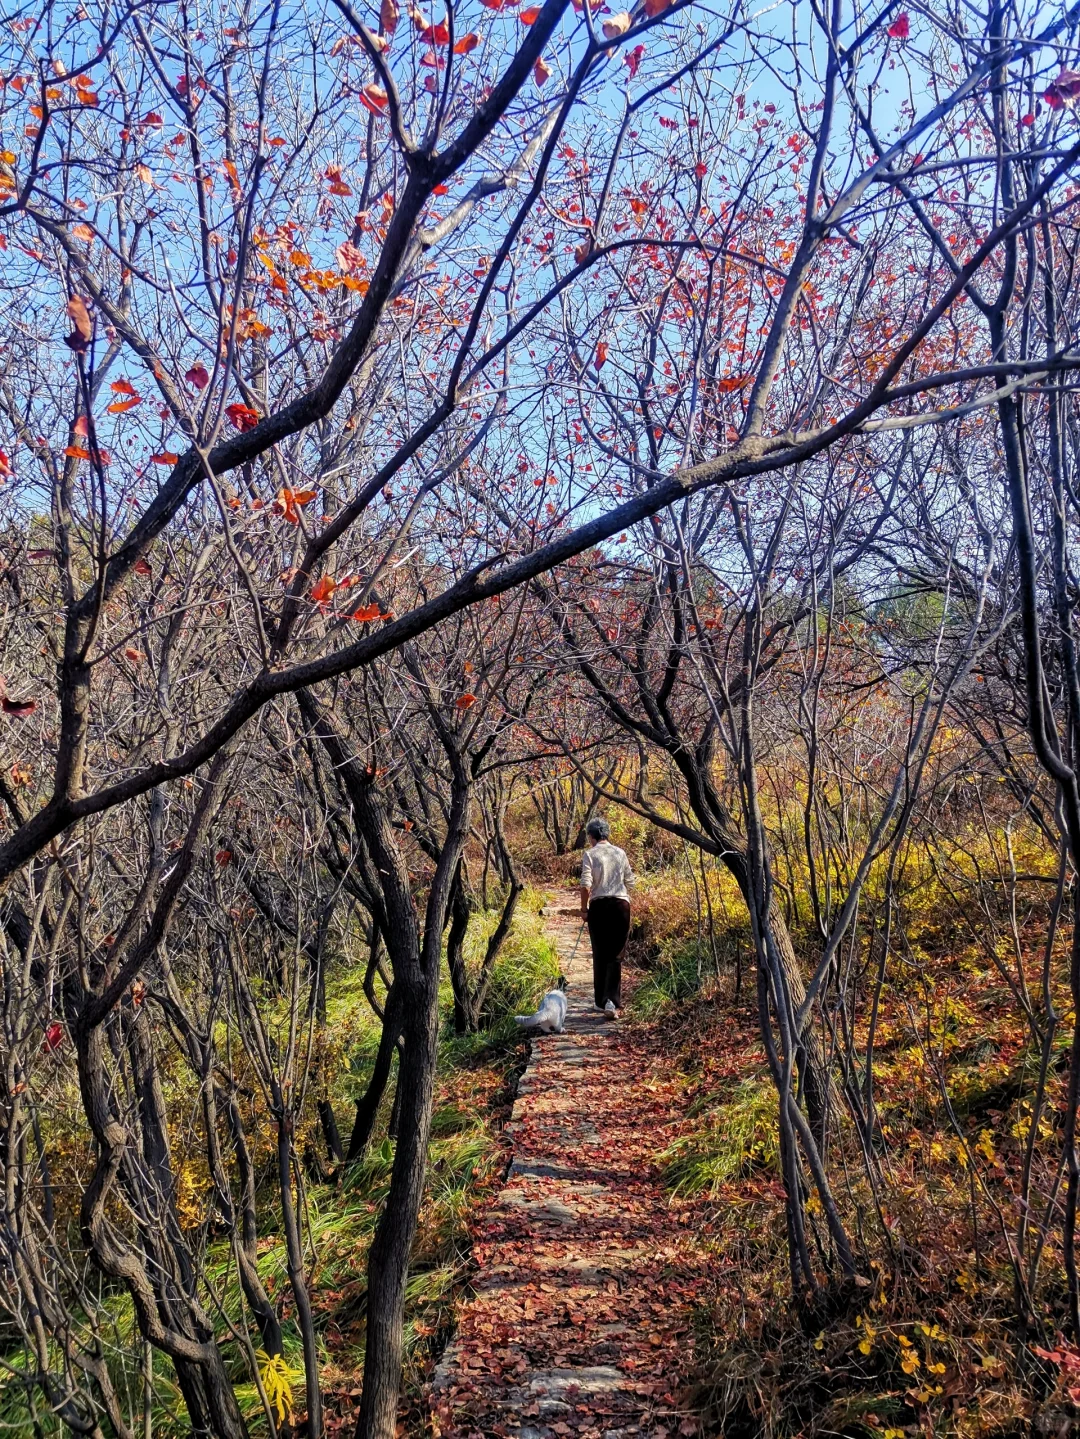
656,7
198,377
243,417
82,331
165,458
337,184
499,4
466,44
135,656
82,428
373,98
142,567
464,702
530,16
701,170
5,465
123,387
900,28
1063,90
632,59
54,1036
601,354
223,858
120,407
366,613
1028,119
18,709
322,590
733,382
84,232
436,34
541,71
389,14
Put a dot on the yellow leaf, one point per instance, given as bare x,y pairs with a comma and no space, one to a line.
277,1382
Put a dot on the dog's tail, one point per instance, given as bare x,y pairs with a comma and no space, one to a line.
525,1020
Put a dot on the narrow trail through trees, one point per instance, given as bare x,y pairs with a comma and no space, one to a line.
580,1318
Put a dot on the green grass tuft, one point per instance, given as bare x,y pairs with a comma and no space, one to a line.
739,1136
676,977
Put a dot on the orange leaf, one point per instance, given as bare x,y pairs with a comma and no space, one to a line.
373,98
135,656
120,407
243,417
82,326
530,16
322,591
541,71
122,387
466,44
83,232
656,7
142,567
389,14
165,458
464,702
601,354
366,613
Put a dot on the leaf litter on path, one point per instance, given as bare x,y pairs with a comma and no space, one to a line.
580,1319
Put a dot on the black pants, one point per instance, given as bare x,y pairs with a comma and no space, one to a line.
609,929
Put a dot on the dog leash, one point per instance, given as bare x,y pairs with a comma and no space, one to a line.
577,941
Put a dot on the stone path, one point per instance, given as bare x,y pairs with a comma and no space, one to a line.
579,1318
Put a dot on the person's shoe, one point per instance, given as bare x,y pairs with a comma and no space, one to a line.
609,1010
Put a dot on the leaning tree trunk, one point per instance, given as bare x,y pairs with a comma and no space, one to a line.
813,1067
388,1261
416,968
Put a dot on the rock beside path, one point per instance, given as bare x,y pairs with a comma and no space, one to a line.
580,1317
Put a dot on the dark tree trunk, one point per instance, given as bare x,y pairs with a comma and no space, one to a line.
367,1106
465,1015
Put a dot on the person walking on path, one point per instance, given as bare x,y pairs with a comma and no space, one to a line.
605,908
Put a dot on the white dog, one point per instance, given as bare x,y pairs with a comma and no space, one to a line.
550,1017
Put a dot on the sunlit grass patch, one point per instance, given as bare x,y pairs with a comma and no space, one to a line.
676,976
738,1136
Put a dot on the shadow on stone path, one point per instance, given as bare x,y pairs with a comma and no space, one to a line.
578,1322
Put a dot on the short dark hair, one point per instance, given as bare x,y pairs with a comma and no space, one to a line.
598,828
